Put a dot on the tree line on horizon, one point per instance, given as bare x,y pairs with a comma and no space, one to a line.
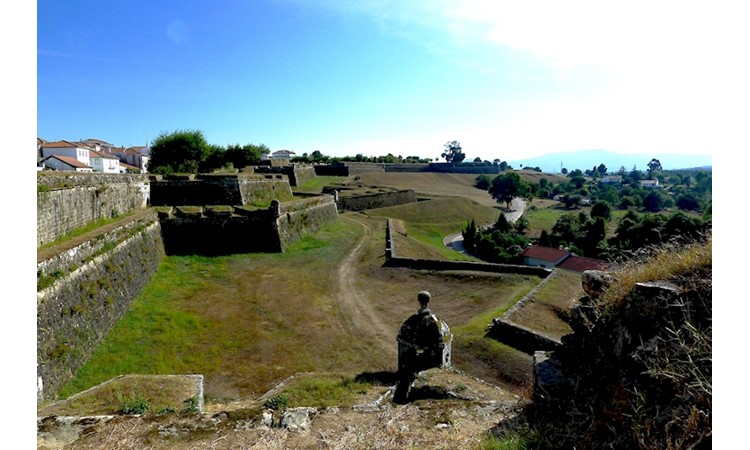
586,234
188,151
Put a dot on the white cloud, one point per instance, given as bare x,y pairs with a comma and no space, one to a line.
676,80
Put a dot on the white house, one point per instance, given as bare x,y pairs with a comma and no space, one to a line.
58,162
282,154
77,151
104,162
612,179
134,156
649,183
98,145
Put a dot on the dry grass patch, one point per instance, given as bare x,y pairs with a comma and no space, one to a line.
541,312
658,264
125,394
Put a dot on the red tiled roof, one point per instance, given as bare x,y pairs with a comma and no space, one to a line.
544,253
69,160
580,263
95,154
129,167
60,144
98,141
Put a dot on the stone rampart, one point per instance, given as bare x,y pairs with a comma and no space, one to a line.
232,189
505,330
69,200
463,168
304,216
331,170
359,202
83,291
412,167
224,230
297,173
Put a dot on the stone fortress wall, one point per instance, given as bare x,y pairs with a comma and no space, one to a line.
233,189
84,287
69,200
297,173
83,291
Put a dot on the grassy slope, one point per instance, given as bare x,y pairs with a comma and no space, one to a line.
427,223
247,322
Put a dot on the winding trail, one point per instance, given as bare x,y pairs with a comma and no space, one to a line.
355,312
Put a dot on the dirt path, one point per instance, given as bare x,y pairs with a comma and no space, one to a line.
356,313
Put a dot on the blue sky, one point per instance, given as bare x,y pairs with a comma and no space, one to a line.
508,81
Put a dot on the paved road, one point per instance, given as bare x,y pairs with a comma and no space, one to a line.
456,240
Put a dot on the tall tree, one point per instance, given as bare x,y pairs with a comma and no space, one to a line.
653,166
245,155
182,151
601,209
508,186
453,153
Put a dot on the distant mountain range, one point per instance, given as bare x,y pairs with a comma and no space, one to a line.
587,159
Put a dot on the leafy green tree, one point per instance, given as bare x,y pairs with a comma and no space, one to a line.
576,173
214,159
544,239
521,225
245,155
483,182
653,201
653,166
502,225
564,171
635,176
453,153
508,186
688,202
602,169
571,201
182,151
601,209
567,228
578,182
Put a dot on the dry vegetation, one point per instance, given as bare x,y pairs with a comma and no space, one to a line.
542,311
640,367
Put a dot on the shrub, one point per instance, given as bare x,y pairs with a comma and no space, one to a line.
277,402
134,405
191,405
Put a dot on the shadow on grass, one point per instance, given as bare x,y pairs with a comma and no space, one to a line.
382,377
426,392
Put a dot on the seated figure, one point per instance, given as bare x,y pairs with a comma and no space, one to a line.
424,342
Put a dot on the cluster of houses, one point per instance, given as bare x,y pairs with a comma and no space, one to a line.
95,155
617,179
90,155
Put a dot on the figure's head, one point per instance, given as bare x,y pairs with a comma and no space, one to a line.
424,298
